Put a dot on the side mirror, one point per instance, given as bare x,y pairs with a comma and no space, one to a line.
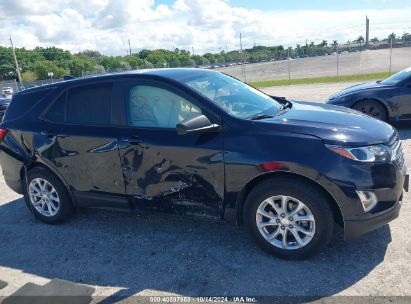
197,124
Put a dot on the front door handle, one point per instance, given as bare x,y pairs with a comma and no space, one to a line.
133,140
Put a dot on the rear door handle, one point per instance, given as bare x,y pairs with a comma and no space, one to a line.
133,140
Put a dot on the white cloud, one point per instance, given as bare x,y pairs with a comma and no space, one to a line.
117,14
214,25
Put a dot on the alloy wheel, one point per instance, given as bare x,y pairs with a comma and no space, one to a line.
44,197
285,222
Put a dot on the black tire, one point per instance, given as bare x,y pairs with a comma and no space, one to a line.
310,196
372,108
65,206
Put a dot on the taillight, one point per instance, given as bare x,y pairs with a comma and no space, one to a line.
3,133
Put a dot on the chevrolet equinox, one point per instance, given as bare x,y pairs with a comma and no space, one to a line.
200,143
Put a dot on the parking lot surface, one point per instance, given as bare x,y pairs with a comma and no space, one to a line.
118,255
369,61
317,92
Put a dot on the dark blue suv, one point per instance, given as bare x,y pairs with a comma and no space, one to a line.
200,143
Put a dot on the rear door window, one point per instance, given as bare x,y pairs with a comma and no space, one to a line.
89,105
86,105
57,111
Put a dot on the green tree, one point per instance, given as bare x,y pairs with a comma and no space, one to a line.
7,71
59,56
360,39
210,57
93,55
135,62
406,37
79,66
43,67
110,63
143,54
374,40
324,43
392,37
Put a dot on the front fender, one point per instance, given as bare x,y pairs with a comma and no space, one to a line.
235,201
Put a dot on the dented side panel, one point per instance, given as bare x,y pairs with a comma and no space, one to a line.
179,174
88,159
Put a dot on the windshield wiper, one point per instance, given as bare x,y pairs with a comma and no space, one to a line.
261,116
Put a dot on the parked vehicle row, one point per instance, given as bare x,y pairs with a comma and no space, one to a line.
201,143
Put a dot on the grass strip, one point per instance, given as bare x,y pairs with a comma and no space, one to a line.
326,79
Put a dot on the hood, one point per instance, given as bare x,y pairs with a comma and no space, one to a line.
333,124
360,87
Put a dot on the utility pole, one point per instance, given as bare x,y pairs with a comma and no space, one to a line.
289,66
243,60
390,55
129,46
367,31
192,50
338,64
15,61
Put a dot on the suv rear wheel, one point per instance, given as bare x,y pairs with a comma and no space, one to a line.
47,197
289,218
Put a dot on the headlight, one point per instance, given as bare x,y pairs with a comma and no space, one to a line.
377,153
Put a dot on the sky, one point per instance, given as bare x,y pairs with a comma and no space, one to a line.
196,25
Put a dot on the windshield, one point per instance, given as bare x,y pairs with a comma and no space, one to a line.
232,95
399,77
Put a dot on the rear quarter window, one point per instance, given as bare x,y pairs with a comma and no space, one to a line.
22,102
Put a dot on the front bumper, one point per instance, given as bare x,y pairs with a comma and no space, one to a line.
356,228
387,209
386,180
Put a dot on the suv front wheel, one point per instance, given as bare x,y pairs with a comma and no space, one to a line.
289,218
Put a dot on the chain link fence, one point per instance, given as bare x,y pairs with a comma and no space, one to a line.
342,63
343,60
